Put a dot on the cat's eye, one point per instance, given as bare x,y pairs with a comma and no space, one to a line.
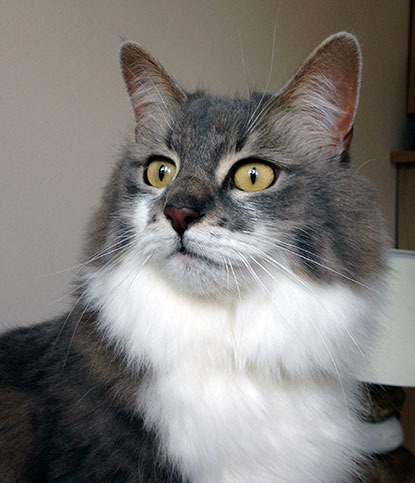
254,176
160,172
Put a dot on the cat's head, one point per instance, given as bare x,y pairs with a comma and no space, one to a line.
218,194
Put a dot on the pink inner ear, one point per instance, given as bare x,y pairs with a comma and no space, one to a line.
338,61
342,130
344,122
324,94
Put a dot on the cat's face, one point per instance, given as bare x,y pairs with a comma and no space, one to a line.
210,199
220,194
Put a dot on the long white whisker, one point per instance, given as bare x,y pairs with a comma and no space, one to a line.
268,293
121,250
269,72
269,259
236,281
244,66
321,337
279,243
134,278
272,241
96,256
100,272
278,265
73,333
107,250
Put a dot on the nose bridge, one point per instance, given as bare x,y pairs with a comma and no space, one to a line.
190,191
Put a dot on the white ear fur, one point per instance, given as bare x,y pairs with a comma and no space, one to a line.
320,101
153,93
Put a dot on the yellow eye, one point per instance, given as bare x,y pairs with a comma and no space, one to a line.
160,172
254,176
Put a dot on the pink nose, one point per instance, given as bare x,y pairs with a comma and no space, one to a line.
181,217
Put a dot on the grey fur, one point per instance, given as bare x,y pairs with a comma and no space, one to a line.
324,219
68,394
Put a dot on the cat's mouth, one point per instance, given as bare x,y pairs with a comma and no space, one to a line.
184,251
189,254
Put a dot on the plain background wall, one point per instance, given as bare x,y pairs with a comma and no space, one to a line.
64,111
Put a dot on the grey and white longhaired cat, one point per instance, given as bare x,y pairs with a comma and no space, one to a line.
226,301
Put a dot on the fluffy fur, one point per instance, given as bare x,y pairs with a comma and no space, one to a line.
228,352
242,391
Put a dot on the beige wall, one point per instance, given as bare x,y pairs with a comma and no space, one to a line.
63,110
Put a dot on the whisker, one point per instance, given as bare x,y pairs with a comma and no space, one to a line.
279,244
134,278
270,297
279,265
96,256
249,127
255,121
326,268
236,281
297,279
244,66
107,250
274,241
73,334
322,338
102,270
76,288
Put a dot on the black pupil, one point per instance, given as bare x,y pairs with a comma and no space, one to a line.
253,173
162,171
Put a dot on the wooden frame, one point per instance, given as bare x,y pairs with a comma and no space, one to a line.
411,71
405,227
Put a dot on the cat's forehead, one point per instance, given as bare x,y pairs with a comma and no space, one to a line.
208,128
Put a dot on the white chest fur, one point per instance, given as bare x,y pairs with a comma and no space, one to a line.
236,394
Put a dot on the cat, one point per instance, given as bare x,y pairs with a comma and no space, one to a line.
226,299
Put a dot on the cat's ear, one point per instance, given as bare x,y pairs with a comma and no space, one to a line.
321,99
153,93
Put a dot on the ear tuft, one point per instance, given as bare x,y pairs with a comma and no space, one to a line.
324,93
152,91
339,59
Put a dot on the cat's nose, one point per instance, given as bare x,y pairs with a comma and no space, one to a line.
181,217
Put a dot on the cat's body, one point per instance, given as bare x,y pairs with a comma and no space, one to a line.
218,329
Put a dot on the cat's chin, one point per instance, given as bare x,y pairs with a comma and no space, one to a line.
196,274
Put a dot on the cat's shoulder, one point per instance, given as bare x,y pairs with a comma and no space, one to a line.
21,351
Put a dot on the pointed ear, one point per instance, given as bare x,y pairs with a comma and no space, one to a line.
323,95
153,93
